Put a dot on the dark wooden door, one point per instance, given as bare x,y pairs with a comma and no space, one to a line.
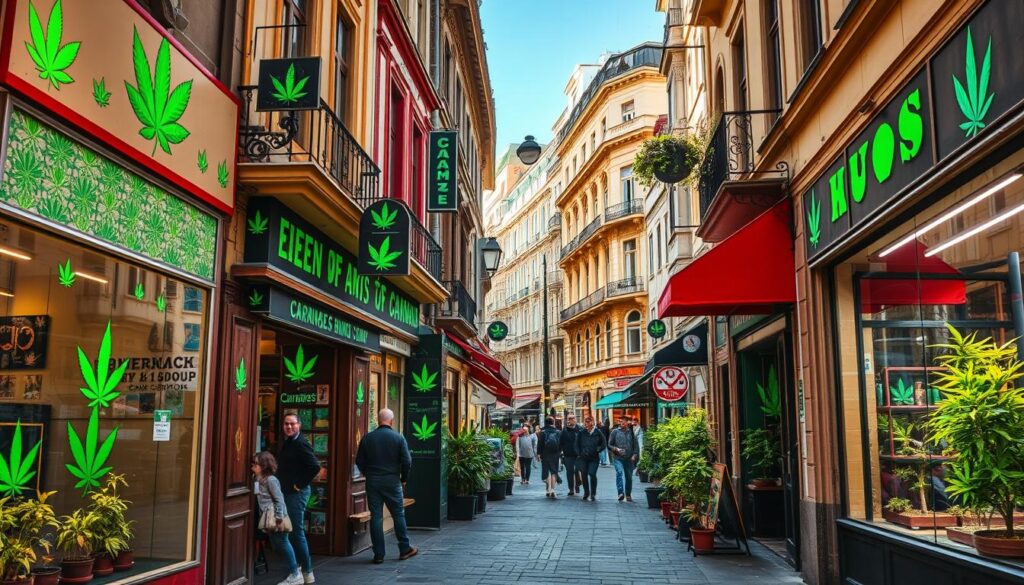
790,446
234,429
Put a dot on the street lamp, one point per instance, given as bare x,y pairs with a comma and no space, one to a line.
545,365
528,151
491,252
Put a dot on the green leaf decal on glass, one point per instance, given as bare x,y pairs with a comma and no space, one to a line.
140,292
974,100
240,376
425,430
155,105
424,381
89,455
65,274
814,221
290,92
50,57
312,501
383,258
359,393
393,392
384,220
101,384
16,470
222,174
258,224
201,162
255,299
161,303
901,394
300,370
100,93
770,404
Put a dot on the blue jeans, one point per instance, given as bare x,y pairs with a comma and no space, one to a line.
624,469
381,492
604,457
588,471
284,547
296,504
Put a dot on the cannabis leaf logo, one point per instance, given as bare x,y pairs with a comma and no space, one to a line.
16,470
975,101
424,381
50,57
201,162
89,455
814,220
383,258
393,392
384,220
657,329
100,93
425,430
240,376
497,331
255,299
901,393
139,291
222,174
359,393
155,105
312,501
258,224
161,303
290,92
300,370
770,404
65,274
100,383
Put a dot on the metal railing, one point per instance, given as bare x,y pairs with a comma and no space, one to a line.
673,18
729,155
460,303
623,209
592,300
316,136
583,236
424,248
625,286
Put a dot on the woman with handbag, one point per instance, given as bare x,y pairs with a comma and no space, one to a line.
273,513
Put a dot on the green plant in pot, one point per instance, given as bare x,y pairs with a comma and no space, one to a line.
668,158
75,539
469,463
693,473
499,472
979,421
762,451
21,526
112,533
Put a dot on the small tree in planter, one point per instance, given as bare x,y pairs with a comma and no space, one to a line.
694,473
763,452
113,531
75,539
668,158
21,526
980,421
469,463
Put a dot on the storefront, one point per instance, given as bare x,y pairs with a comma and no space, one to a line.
923,233
108,274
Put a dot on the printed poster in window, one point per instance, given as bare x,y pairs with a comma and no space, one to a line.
23,342
33,387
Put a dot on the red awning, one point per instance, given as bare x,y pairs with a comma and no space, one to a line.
749,273
485,369
877,293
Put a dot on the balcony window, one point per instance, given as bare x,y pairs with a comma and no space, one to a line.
396,158
342,57
628,111
660,241
773,55
628,185
294,35
604,128
633,341
810,30
608,338
593,142
629,258
739,54
588,346
597,343
579,349
650,254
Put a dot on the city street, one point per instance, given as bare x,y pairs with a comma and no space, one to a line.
529,539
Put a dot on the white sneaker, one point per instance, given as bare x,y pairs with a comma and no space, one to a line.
309,577
293,579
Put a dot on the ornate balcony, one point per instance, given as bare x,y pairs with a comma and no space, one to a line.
626,286
592,300
583,236
631,207
459,305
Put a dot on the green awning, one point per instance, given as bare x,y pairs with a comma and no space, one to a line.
613,399
624,399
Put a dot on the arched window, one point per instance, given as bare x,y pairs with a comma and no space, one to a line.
597,343
579,348
608,338
633,332
588,346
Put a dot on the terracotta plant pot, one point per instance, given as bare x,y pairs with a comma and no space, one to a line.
961,534
994,543
46,575
76,570
666,507
918,520
675,519
102,565
703,539
18,581
124,561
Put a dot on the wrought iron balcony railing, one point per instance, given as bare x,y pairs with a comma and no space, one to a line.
460,303
583,236
591,300
625,286
424,248
730,153
623,209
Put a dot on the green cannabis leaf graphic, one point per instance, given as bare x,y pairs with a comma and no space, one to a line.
100,383
359,393
901,393
657,329
384,220
89,456
100,93
770,404
258,224
222,174
140,292
424,430
393,392
424,381
155,105
65,274
16,470
975,101
312,501
240,376
290,92
814,221
255,299
384,258
300,370
161,303
497,331
201,162
50,57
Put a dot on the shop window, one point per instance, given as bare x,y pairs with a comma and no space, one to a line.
633,339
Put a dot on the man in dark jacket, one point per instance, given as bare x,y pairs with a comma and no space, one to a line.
605,430
569,442
591,444
622,444
383,457
296,468
549,449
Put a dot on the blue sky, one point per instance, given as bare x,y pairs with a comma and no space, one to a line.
533,45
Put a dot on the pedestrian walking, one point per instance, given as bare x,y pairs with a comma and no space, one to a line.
270,499
604,432
638,432
622,443
549,450
591,445
526,448
383,457
569,443
296,468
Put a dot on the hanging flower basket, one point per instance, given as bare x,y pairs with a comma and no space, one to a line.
667,158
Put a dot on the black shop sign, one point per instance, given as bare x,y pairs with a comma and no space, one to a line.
443,171
384,239
285,307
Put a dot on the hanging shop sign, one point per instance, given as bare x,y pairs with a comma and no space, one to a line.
277,237
286,307
384,239
105,68
425,426
497,331
967,86
443,171
670,384
656,328
288,84
23,342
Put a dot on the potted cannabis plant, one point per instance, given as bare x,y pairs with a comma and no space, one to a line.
979,422
469,462
915,475
694,473
112,533
75,538
669,158
762,452
21,526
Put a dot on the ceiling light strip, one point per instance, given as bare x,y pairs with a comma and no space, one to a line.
975,230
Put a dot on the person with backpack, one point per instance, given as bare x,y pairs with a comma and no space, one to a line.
569,443
591,445
549,452
622,444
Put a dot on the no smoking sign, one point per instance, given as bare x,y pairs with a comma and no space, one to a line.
671,384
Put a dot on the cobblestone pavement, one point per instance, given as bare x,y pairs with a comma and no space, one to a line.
529,539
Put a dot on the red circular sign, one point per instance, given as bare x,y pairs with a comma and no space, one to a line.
671,384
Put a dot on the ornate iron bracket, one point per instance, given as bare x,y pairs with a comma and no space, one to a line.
257,145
